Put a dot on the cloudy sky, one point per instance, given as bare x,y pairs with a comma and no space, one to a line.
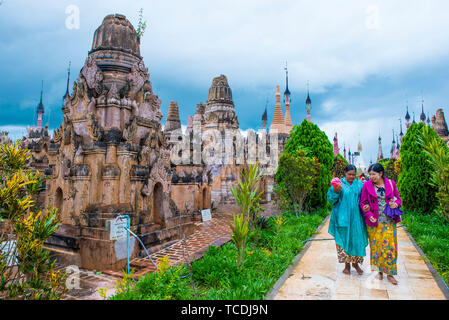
364,59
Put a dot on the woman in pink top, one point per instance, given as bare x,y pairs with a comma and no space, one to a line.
377,193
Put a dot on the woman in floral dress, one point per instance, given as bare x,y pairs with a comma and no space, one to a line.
346,224
378,193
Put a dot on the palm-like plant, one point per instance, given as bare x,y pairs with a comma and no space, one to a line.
34,276
248,199
439,158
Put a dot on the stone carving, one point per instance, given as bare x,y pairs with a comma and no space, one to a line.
95,131
146,189
113,96
93,75
137,78
58,135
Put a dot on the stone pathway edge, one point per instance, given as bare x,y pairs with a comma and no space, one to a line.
277,286
440,282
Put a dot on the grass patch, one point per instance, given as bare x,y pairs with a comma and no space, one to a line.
216,275
431,233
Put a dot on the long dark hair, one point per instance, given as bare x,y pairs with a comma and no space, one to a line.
377,167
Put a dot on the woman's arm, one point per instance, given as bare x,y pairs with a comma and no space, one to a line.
365,200
332,196
396,194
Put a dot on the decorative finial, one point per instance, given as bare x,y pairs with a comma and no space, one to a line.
67,94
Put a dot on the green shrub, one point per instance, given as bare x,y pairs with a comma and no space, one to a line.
439,159
296,178
34,277
390,168
339,166
414,181
309,136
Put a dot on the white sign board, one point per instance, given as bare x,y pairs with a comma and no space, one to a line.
116,229
270,188
9,248
206,215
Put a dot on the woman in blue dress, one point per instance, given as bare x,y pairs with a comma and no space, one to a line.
347,225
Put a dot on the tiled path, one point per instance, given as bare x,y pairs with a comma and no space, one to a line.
319,276
214,232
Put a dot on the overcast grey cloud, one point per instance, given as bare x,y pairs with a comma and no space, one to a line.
364,59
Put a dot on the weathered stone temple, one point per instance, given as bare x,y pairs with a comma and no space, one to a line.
109,156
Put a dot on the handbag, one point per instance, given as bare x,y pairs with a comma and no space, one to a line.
392,213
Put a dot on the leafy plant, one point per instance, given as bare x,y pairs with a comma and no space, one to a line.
261,222
438,153
34,275
238,236
246,192
142,25
278,222
389,165
248,199
339,166
308,136
296,178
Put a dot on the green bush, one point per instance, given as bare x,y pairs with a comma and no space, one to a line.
439,159
339,166
308,136
34,277
414,181
390,170
296,178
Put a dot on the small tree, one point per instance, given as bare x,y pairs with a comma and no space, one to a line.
438,153
413,183
296,178
309,136
26,268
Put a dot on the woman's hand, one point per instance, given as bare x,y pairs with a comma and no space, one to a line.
372,219
393,205
366,208
338,188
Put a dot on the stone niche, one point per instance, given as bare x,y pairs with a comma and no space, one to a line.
110,157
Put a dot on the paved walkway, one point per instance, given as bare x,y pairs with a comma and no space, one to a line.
318,275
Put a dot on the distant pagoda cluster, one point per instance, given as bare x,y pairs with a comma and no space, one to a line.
437,122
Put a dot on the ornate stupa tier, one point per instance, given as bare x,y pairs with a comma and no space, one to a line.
173,121
220,92
116,49
116,33
220,106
